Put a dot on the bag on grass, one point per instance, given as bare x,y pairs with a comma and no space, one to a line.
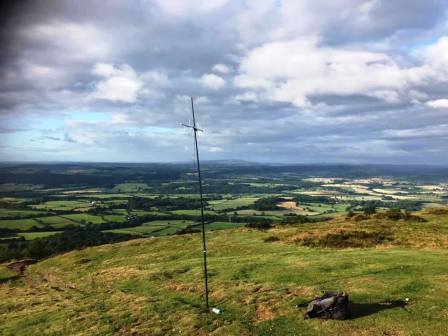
331,305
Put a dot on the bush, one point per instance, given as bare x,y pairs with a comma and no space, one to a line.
295,219
76,238
267,203
259,226
345,239
359,217
188,229
271,239
397,214
369,209
350,214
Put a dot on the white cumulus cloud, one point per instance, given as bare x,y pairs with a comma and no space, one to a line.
189,7
213,81
123,84
438,103
221,68
296,70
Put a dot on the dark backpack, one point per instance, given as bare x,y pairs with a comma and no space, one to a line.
331,305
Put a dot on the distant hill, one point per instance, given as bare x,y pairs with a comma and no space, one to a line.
105,174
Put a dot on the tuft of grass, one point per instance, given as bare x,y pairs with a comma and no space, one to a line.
6,274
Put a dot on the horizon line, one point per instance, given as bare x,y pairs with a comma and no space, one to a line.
230,161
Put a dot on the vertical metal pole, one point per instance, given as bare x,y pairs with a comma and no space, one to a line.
202,205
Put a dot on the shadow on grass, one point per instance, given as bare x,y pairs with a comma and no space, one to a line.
358,310
10,278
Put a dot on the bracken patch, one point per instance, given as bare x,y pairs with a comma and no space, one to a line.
346,239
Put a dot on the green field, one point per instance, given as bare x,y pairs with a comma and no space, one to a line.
135,231
7,213
56,221
232,203
154,286
131,187
137,212
35,235
84,218
155,228
268,213
221,226
8,187
192,212
115,218
12,200
63,205
105,196
19,224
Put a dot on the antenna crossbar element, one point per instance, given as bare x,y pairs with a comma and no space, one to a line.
198,167
194,128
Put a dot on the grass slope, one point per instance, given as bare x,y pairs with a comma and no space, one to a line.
153,286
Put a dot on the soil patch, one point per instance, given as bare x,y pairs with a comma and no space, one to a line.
21,265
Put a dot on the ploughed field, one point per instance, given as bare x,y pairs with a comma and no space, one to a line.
395,270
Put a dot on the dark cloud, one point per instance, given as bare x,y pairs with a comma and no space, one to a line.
387,18
110,80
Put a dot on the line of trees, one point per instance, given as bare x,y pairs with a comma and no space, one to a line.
77,238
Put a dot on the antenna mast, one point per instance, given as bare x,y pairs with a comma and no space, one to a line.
198,167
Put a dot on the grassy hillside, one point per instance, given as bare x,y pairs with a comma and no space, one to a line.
153,286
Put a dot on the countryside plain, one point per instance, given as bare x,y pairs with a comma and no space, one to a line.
118,248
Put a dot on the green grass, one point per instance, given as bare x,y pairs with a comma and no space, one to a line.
56,221
155,228
232,203
35,235
63,205
114,218
137,212
12,200
222,226
6,274
135,231
269,214
19,224
122,202
321,207
84,218
106,196
192,212
154,286
131,187
8,187
5,213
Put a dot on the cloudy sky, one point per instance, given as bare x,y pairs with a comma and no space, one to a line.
355,81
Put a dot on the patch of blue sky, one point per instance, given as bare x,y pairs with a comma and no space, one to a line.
420,46
161,130
47,123
87,116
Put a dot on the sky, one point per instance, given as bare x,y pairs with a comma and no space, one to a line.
285,81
